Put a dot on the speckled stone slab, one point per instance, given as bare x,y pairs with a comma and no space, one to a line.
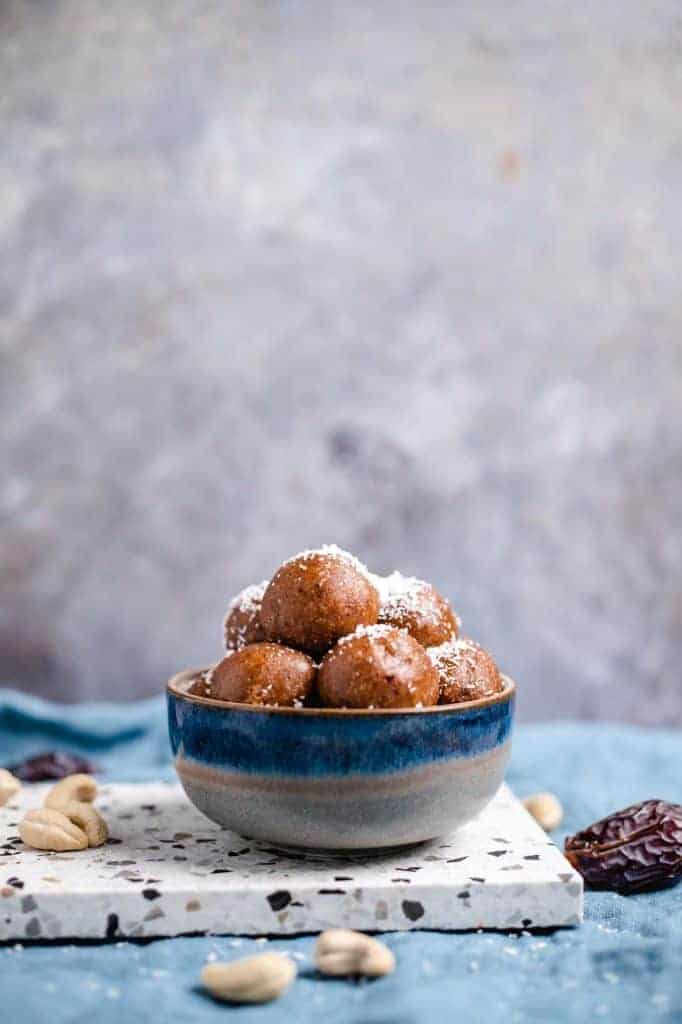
167,870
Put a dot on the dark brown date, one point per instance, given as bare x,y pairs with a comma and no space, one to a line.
637,848
53,764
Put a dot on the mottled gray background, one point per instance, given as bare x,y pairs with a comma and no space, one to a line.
401,276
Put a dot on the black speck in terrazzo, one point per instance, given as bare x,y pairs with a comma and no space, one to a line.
497,853
216,871
499,839
206,839
112,926
148,807
331,892
455,860
296,903
15,882
408,869
27,904
473,878
343,878
151,894
464,895
527,922
532,856
33,928
405,881
179,858
279,900
178,846
412,909
114,842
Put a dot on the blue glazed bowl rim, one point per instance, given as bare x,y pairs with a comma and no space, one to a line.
175,687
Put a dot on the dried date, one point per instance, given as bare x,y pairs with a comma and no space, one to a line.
53,764
636,848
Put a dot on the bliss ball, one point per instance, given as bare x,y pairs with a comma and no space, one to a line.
242,625
378,667
200,687
411,604
267,674
466,671
316,598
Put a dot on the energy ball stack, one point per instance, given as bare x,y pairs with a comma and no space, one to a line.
325,632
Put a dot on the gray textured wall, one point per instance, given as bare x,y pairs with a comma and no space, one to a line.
401,276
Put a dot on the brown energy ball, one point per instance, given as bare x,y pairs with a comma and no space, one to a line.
262,674
242,625
316,598
466,671
200,687
379,667
411,604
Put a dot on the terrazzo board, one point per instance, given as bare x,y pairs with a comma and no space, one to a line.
168,870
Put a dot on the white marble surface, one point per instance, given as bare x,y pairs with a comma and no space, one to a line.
167,870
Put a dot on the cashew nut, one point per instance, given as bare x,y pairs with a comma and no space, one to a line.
254,979
47,829
82,788
88,819
546,810
9,786
341,952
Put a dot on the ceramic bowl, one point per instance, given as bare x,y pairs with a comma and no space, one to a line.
334,779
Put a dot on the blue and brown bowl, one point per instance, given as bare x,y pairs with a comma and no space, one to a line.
324,778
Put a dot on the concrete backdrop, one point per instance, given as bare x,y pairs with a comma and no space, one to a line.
401,276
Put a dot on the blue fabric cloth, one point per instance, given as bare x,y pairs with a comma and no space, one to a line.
624,963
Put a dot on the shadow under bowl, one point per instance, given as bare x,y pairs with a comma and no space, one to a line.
339,780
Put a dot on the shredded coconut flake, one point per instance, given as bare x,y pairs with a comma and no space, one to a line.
247,602
395,584
405,596
373,632
334,551
249,599
453,650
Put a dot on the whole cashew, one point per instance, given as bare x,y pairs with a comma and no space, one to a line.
9,786
342,952
47,829
546,810
254,979
82,788
86,817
